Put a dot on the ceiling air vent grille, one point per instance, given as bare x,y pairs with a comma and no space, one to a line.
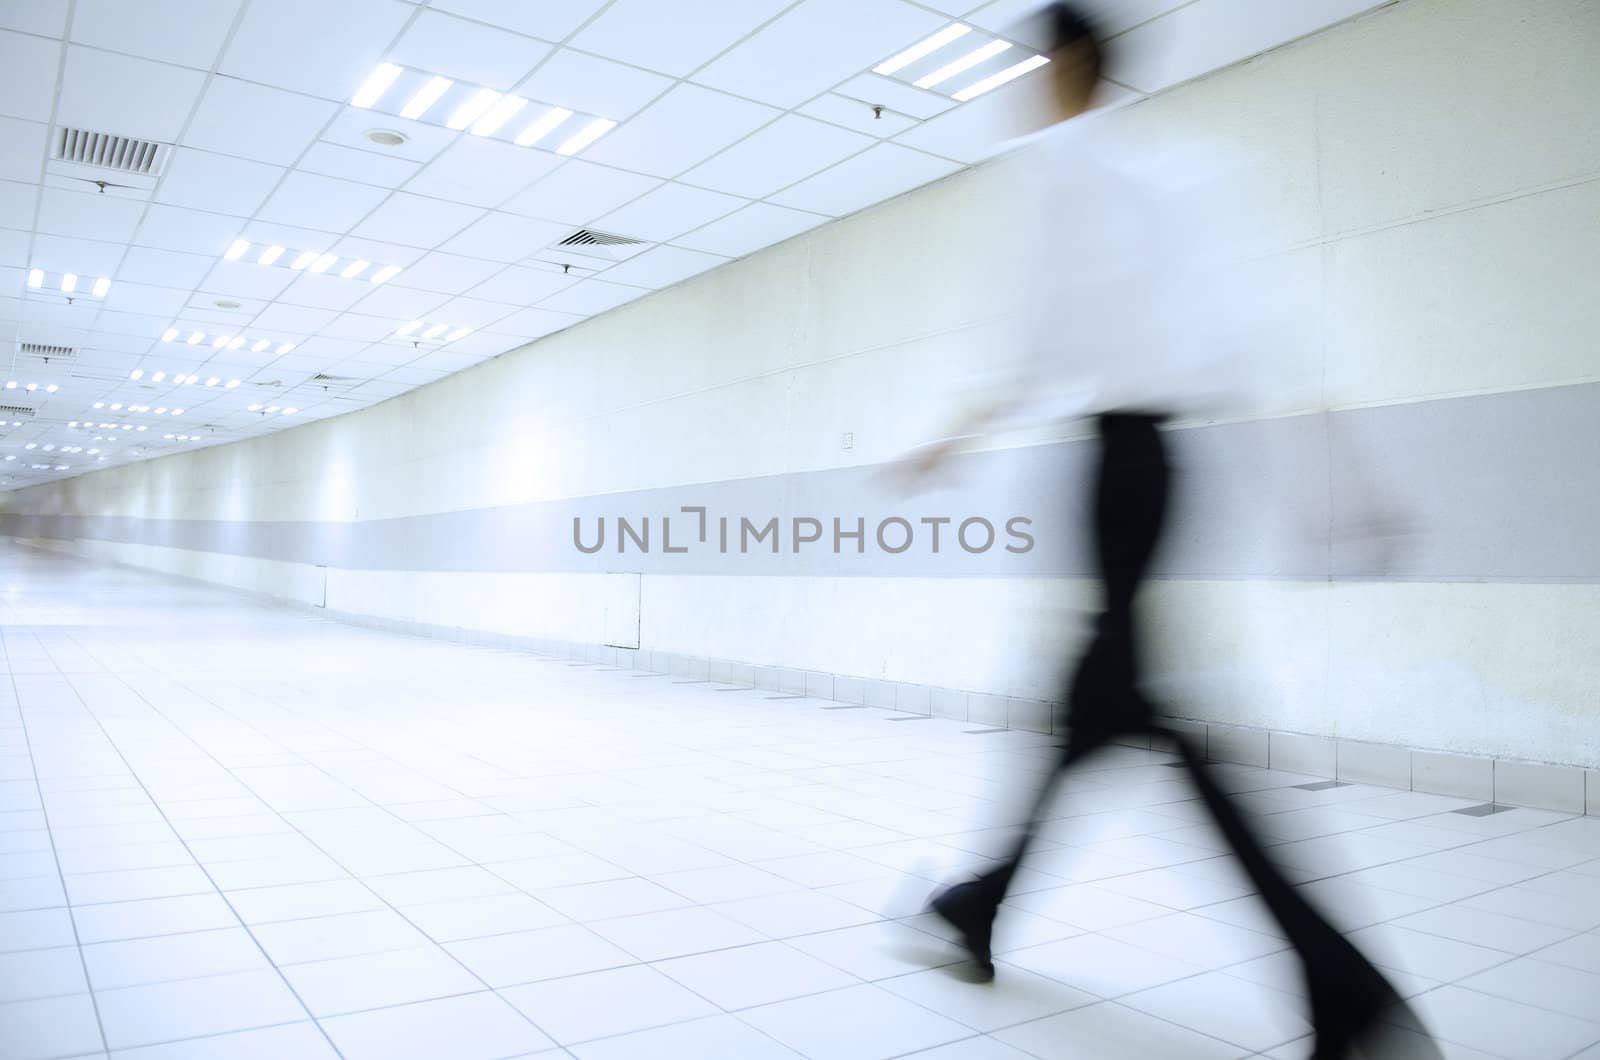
39,349
20,412
583,237
121,153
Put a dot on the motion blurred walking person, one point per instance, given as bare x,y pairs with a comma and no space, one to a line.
1125,330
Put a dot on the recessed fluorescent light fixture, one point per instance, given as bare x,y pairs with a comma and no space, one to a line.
385,274
230,384
219,342
472,109
196,338
434,331
324,263
290,411
994,81
51,389
354,269
406,329
543,127
498,115
261,345
235,343
236,250
586,136
963,64
101,286
213,381
69,283
252,408
35,277
156,377
169,334
951,32
285,348
426,97
137,373
376,84
304,259
457,334
270,255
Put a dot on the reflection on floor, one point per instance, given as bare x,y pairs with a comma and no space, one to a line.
234,830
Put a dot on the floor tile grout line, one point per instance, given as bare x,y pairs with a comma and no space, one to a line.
61,878
245,927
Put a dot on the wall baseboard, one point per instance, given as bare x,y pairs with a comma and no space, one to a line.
1536,785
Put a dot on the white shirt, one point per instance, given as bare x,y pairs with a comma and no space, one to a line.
1134,295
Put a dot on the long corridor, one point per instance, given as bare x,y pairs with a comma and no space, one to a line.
229,829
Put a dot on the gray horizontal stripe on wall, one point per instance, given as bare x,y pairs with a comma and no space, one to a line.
1494,487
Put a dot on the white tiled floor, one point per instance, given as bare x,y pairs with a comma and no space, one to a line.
232,830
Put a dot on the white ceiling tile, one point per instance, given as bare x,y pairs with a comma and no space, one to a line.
506,237
552,20
368,167
449,273
580,191
854,114
256,122
320,352
30,64
747,231
128,331
535,322
126,96
898,96
676,38
522,286
467,51
313,201
406,303
295,319
416,221
412,376
381,357
201,180
186,32
22,145
591,85
144,265
377,252
86,257
682,129
472,312
262,234
360,328
1002,16
423,142
958,7
790,149
662,267
17,203
482,172
482,345
87,216
145,298
322,47
13,248
591,297
816,45
325,292
669,211
879,173
246,280
45,17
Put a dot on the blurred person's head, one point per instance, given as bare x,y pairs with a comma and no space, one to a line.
1068,37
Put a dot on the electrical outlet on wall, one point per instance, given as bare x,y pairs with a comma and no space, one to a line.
847,440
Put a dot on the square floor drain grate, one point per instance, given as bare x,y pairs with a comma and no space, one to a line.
1322,785
1482,811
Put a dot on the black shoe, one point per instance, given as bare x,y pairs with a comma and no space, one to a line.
967,909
